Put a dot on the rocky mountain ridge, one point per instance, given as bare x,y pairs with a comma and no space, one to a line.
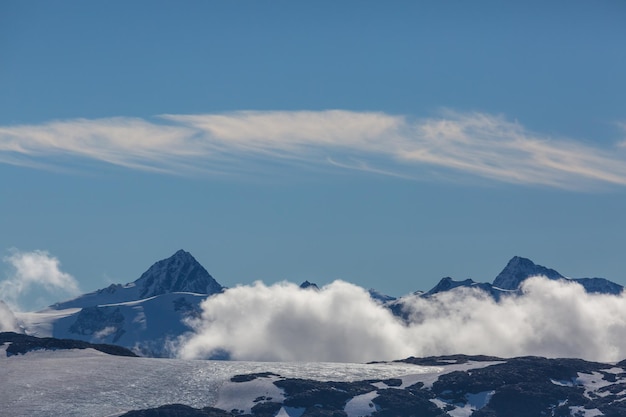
518,270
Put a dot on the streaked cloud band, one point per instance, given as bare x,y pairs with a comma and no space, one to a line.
482,145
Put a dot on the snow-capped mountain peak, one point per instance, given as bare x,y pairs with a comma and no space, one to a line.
141,315
178,273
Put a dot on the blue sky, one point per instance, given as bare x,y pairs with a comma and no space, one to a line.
388,144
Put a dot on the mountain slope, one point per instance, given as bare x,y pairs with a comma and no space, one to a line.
518,269
145,326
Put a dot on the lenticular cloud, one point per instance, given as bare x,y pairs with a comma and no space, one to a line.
342,323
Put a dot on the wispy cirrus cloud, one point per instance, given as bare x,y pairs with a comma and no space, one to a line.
129,142
483,145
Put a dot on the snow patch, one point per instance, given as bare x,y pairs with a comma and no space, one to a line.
579,411
430,374
242,395
592,383
614,370
462,411
361,405
107,331
562,383
290,412
474,402
478,401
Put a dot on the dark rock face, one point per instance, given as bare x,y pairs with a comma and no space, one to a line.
599,285
316,395
447,284
21,343
518,269
522,386
91,320
518,387
252,377
412,401
449,360
179,410
178,273
311,285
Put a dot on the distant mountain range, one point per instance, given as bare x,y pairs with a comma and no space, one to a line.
147,314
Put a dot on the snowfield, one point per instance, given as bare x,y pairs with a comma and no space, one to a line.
94,384
90,383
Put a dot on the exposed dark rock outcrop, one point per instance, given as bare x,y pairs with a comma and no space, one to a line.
21,343
178,273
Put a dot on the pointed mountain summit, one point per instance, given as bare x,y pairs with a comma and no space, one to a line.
178,273
518,269
306,284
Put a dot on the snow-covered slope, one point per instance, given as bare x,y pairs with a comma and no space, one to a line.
146,326
143,315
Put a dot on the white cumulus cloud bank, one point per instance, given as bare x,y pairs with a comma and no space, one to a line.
481,144
341,323
8,321
35,271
